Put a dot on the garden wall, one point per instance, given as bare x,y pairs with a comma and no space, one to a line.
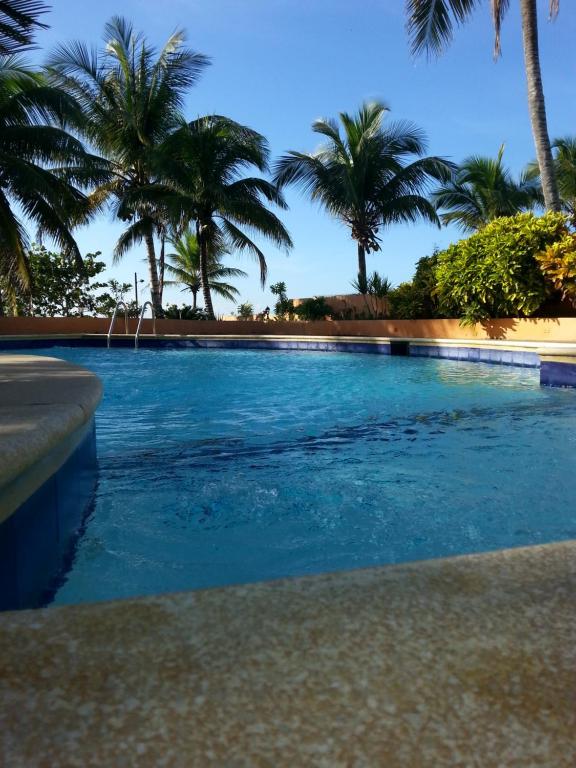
533,329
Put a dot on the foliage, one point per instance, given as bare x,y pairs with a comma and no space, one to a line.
184,312
59,288
375,290
417,299
132,97
18,22
367,177
483,189
565,168
203,167
284,307
245,311
313,309
494,273
558,264
117,292
42,166
184,267
431,25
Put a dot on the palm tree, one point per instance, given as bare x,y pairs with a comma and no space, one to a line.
42,167
363,178
184,267
431,25
564,151
202,166
482,190
18,22
132,98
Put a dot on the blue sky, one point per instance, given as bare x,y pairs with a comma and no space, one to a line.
279,64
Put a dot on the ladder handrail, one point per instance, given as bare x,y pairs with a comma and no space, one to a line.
146,304
110,329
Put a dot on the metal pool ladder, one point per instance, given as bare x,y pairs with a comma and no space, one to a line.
119,305
146,304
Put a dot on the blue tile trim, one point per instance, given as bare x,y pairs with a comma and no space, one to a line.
478,354
554,374
448,352
38,538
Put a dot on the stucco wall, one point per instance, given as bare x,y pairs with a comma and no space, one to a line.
537,329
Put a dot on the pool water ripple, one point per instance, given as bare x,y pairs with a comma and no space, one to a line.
227,466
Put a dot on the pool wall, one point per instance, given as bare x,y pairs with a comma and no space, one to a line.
47,471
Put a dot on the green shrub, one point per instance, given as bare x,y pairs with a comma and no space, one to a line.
417,299
313,309
495,273
558,264
184,312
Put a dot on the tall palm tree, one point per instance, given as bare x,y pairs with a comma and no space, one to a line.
431,26
565,167
43,168
132,98
564,152
367,177
203,186
483,189
184,267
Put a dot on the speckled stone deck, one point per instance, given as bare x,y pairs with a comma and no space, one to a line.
463,662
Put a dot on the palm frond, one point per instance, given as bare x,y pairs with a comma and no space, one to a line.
18,23
431,22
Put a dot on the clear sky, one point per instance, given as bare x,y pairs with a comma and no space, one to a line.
279,64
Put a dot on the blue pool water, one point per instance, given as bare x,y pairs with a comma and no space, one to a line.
227,466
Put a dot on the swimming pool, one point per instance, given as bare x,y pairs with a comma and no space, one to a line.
229,466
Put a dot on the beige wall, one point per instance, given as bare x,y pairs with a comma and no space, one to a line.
537,329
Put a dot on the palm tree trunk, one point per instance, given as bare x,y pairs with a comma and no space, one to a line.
361,264
162,266
204,272
194,297
537,105
155,294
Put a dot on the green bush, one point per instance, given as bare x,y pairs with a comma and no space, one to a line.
184,312
313,309
495,273
558,264
417,299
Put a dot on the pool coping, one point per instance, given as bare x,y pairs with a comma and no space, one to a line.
443,663
45,404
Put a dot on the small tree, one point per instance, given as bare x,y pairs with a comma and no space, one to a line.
284,306
375,290
59,287
245,311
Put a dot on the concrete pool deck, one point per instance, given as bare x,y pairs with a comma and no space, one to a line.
43,403
469,661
